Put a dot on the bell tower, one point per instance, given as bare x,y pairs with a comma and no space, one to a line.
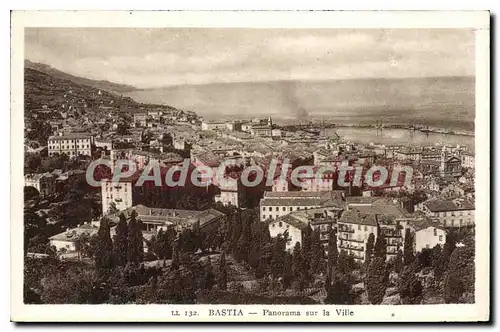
443,160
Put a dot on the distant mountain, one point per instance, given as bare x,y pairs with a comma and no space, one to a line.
104,85
434,101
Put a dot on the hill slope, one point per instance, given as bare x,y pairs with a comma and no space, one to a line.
104,85
44,90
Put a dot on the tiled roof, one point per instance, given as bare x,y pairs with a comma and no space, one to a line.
354,217
447,205
419,225
70,137
292,221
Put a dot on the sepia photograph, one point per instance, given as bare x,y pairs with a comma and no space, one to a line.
250,172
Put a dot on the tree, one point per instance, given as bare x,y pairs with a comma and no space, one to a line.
278,257
408,254
376,280
208,278
120,244
244,242
288,276
300,267
123,128
198,237
135,251
222,278
380,249
442,263
104,250
459,277
398,262
176,261
339,291
410,288
370,243
317,254
345,263
30,193
333,252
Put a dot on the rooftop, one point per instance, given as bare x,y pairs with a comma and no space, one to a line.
439,205
70,136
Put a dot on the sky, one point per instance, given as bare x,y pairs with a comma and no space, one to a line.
149,58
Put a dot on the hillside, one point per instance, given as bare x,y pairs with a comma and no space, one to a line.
43,90
436,101
104,85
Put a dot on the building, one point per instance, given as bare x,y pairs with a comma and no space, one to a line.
233,126
366,215
276,204
66,241
408,154
144,158
213,125
154,219
468,159
140,119
45,183
117,196
450,167
353,230
247,126
450,213
325,182
261,131
72,145
290,225
427,234
231,192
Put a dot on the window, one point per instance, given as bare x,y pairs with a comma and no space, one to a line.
435,232
264,218
440,238
284,208
366,228
263,208
359,227
280,224
291,208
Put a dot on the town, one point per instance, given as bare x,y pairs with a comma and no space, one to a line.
403,242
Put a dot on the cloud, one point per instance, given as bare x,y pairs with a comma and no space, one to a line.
156,57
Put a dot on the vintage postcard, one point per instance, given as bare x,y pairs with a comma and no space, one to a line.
250,166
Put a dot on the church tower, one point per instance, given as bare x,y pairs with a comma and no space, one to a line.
443,160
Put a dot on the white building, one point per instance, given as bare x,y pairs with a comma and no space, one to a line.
72,145
353,230
140,119
45,183
276,204
427,234
468,159
292,226
117,194
451,213
231,192
213,125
